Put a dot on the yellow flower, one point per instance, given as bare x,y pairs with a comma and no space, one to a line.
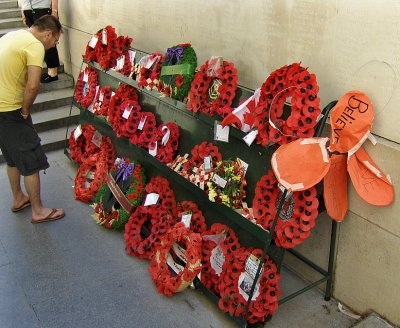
225,200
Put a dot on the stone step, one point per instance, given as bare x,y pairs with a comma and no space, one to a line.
53,99
8,4
64,81
55,118
6,30
10,13
53,139
11,23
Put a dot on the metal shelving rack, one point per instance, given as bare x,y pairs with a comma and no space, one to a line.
194,129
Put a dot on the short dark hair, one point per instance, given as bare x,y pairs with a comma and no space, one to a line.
48,23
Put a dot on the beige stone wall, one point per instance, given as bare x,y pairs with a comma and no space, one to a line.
346,44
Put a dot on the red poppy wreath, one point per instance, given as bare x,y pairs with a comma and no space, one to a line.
298,214
189,213
236,283
147,130
199,153
83,190
120,196
85,90
102,101
289,81
107,50
189,244
80,143
209,94
149,223
165,147
219,245
124,92
126,119
123,44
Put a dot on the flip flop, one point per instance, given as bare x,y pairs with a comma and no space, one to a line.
50,217
24,205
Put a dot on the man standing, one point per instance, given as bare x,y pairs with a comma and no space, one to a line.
21,59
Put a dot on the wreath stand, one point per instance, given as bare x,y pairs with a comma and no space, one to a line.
195,127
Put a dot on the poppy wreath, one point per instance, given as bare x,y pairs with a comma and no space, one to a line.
126,119
188,240
288,81
199,152
177,71
123,92
107,54
149,133
235,287
96,164
107,151
123,44
298,214
148,224
219,245
108,58
231,191
209,97
130,179
197,220
102,101
167,142
82,147
86,91
91,53
148,78
144,230
167,200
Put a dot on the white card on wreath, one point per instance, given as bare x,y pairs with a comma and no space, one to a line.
207,163
93,41
77,132
186,219
132,55
151,199
120,63
97,138
250,137
221,133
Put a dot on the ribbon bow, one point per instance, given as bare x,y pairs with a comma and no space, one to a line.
124,170
177,52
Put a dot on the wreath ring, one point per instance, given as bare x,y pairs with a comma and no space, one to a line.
298,214
235,283
86,91
289,81
221,93
81,192
191,254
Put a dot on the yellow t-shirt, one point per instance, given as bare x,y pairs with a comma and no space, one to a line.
18,50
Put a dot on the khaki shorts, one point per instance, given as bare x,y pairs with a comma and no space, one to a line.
20,143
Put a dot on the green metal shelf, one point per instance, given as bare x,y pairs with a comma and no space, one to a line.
197,127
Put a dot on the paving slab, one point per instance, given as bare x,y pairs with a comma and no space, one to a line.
373,320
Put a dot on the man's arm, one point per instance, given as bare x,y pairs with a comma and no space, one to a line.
31,89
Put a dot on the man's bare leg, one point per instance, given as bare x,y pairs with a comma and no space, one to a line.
32,186
19,198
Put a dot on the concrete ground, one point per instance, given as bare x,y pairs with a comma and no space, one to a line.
73,273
